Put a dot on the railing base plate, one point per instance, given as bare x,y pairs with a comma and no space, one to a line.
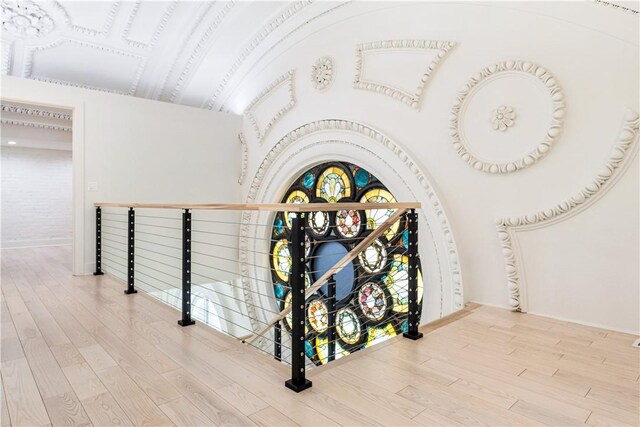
413,337
98,273
297,388
183,323
127,291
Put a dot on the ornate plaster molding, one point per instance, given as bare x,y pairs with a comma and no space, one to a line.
412,99
34,112
578,201
186,69
25,19
35,124
28,66
503,118
616,6
7,56
322,73
291,10
245,158
287,79
375,136
558,107
103,32
158,30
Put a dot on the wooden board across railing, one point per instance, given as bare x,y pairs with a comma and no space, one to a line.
274,207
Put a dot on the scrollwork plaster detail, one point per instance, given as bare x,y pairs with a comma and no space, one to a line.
322,73
507,226
245,158
412,99
287,79
557,116
374,135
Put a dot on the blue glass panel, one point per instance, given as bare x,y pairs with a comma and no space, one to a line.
278,290
308,180
362,177
278,226
326,256
308,348
405,238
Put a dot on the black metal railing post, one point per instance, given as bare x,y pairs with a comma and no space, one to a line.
186,270
98,271
131,238
277,341
298,382
414,305
331,320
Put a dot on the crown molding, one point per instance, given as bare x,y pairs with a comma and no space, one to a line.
579,201
617,6
38,125
34,112
506,68
245,158
106,28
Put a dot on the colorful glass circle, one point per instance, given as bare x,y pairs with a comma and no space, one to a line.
348,326
397,282
374,258
282,259
295,197
376,217
372,301
349,223
333,184
318,315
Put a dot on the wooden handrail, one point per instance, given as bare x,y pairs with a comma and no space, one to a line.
330,272
273,207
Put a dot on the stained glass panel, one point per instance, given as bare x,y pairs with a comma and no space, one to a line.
333,184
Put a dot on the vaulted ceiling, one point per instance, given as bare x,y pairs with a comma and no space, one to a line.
192,53
195,53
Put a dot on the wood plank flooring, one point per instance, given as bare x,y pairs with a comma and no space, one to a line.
77,351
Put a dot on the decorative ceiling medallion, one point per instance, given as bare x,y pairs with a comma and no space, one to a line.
322,73
503,118
25,19
494,73
508,226
262,98
437,49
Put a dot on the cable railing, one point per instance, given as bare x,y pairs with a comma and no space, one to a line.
320,285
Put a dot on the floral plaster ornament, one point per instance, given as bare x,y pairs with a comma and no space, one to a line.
322,73
503,118
25,19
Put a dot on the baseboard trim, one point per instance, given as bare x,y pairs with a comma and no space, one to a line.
35,243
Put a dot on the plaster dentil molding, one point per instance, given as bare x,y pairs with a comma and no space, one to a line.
186,69
25,19
94,32
412,99
291,10
285,79
158,30
245,158
578,201
374,135
35,124
28,66
617,6
508,67
35,112
503,118
322,73
7,55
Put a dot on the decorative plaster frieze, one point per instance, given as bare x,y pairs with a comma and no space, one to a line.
34,112
35,124
103,32
7,55
375,136
25,19
617,6
28,66
245,158
506,68
412,99
578,201
282,39
291,10
158,30
186,69
285,79
503,118
322,73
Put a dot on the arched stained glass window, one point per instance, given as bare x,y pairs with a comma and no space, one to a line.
371,291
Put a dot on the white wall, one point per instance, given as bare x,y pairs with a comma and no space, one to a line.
36,197
592,52
138,150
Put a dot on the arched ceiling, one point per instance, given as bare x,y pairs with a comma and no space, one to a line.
194,53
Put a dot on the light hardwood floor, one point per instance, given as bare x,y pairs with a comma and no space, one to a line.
77,351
